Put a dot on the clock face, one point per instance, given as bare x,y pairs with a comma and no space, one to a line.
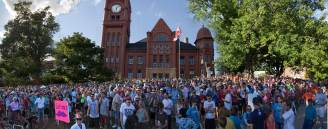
116,8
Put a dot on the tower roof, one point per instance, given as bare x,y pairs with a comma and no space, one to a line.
203,33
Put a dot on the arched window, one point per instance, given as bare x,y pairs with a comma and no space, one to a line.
161,37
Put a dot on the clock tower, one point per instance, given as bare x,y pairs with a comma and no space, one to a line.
116,33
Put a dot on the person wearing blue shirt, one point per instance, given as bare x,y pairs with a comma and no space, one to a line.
277,110
184,122
310,115
174,95
245,117
193,113
234,118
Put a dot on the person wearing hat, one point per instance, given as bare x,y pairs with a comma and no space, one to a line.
78,124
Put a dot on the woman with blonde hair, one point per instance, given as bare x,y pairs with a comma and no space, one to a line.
142,115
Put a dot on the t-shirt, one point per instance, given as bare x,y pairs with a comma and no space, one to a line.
186,123
117,101
210,106
236,121
104,106
93,105
193,113
73,94
76,126
127,110
276,107
257,119
14,106
289,119
168,105
228,101
39,102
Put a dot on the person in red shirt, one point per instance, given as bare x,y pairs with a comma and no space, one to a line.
308,95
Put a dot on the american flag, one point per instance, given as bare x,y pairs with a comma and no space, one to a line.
177,34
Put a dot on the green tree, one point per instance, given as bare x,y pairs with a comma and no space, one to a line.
264,34
26,43
78,59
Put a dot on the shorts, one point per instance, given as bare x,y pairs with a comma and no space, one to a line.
103,119
321,111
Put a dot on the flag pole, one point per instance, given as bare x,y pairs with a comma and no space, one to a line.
179,57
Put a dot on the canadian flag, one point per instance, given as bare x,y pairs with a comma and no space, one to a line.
177,34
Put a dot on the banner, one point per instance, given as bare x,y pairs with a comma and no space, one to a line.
61,111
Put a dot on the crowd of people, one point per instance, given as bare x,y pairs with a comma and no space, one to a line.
212,103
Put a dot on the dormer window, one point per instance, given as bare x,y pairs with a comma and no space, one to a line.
161,37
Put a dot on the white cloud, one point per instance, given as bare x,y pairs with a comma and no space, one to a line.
57,7
138,13
97,2
1,35
160,14
152,5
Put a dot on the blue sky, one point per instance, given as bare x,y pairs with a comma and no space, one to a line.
87,17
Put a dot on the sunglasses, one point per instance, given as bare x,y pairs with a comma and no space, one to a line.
78,119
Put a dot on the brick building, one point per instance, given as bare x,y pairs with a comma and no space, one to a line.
155,56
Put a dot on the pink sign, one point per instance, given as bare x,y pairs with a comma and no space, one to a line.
61,111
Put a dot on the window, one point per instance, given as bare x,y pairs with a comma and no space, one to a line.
130,74
140,60
154,49
206,45
117,40
117,60
181,60
161,37
191,60
108,39
191,73
161,59
182,73
167,57
154,59
139,74
115,17
113,38
160,75
206,59
167,75
154,75
167,49
130,60
112,60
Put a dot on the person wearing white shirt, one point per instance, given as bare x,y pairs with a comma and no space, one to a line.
127,109
78,124
40,105
288,116
168,106
228,101
209,106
